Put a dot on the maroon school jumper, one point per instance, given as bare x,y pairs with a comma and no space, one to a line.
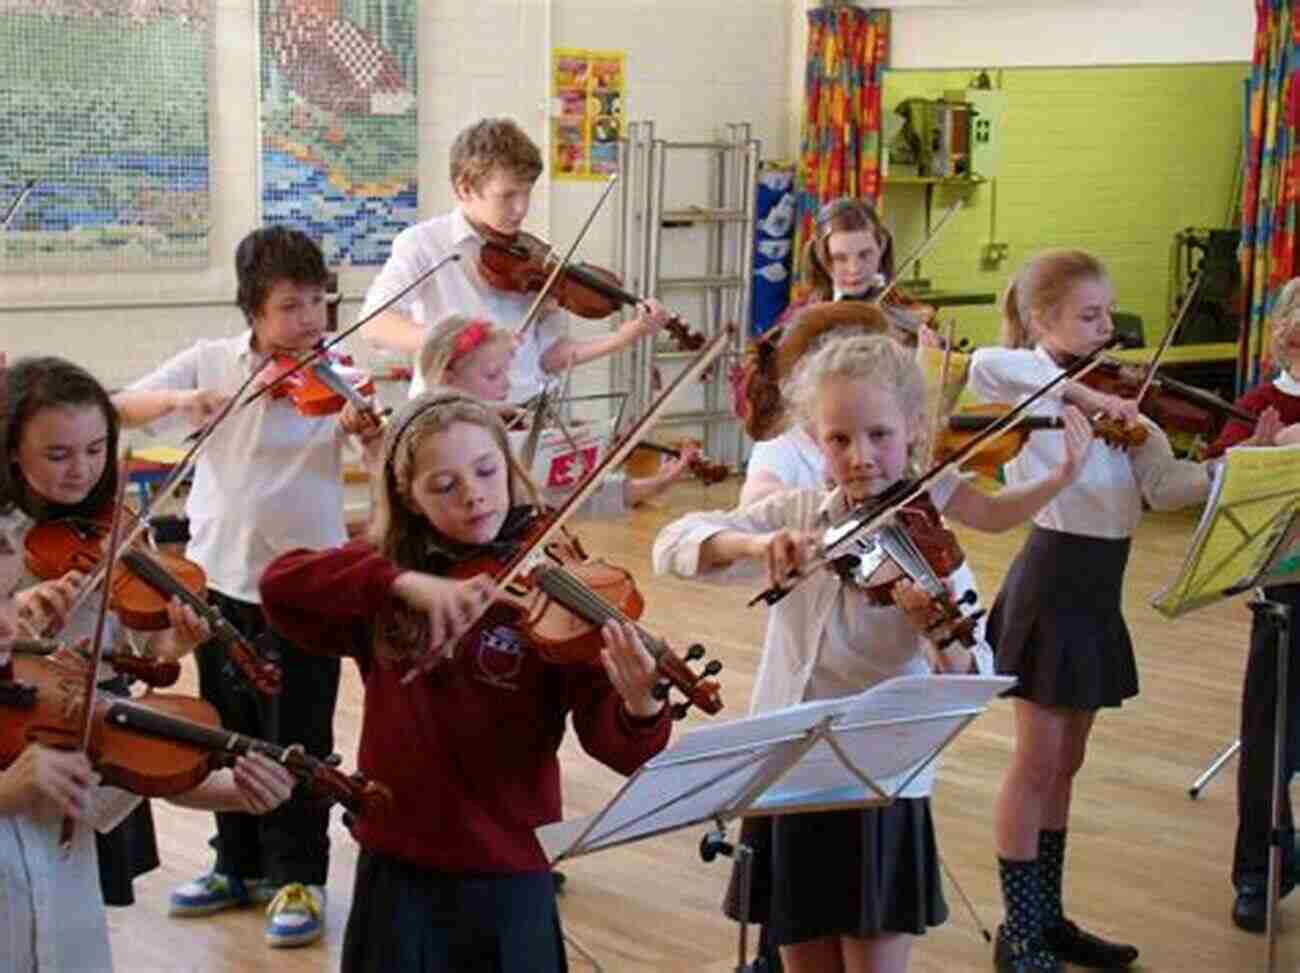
1256,401
469,751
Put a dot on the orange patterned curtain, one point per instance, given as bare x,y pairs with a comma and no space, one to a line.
1271,198
848,48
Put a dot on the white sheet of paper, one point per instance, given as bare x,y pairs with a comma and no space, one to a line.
722,769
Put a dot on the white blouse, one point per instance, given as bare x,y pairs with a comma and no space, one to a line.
1105,499
792,457
822,639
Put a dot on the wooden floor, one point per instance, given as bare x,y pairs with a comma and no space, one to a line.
1145,863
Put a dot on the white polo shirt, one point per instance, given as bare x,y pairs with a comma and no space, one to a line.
458,288
268,480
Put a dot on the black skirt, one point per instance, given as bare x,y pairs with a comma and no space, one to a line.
407,919
861,873
1057,624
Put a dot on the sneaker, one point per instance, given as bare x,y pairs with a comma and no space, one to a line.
214,892
296,916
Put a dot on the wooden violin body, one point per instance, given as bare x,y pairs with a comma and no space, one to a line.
1171,405
317,389
916,545
159,745
967,423
570,596
642,462
141,586
523,263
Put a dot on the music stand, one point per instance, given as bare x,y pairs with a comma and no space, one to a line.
1249,537
850,752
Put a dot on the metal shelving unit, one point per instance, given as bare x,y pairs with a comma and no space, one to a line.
723,287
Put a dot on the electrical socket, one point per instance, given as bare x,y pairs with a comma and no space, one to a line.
993,254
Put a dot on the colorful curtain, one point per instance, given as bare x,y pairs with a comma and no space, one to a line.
840,146
1272,167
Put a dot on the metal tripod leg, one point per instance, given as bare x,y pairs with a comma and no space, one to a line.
1215,766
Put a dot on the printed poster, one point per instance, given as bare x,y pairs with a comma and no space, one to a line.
587,112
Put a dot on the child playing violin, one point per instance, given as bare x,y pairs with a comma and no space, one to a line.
823,888
473,355
455,879
494,165
268,480
58,437
1057,622
1259,687
51,911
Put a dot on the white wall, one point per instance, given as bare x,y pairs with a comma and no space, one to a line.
692,66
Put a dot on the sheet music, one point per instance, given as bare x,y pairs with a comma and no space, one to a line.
1246,535
759,763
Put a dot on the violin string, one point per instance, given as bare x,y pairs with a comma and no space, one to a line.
579,594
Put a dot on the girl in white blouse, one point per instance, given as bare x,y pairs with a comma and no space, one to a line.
846,890
1057,624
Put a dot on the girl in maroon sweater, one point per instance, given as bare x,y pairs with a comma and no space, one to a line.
462,719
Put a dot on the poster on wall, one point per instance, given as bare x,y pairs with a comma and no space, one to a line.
587,112
104,161
338,122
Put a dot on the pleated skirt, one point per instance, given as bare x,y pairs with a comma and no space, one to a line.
1057,623
407,919
860,873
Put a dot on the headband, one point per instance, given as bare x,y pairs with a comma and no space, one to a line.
475,333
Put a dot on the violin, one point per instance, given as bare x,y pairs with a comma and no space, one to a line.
915,545
141,586
158,745
966,423
318,389
522,264
704,470
568,596
154,673
1171,405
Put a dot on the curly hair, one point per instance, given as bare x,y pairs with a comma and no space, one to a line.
877,360
493,144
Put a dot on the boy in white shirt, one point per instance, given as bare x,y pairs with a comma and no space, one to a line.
269,480
494,165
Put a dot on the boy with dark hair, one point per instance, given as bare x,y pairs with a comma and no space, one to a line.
269,480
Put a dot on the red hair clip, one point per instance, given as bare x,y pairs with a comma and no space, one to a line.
475,333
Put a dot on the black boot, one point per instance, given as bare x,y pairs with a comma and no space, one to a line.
1082,948
1023,956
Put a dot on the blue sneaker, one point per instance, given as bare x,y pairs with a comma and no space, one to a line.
214,892
296,916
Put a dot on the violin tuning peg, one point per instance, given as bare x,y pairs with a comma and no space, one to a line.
678,710
660,690
696,651
713,667
969,597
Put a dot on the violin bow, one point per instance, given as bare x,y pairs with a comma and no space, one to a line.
1168,338
936,425
308,358
870,514
199,438
921,250
532,315
618,451
87,716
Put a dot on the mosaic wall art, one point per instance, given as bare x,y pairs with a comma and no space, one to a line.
104,115
338,107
